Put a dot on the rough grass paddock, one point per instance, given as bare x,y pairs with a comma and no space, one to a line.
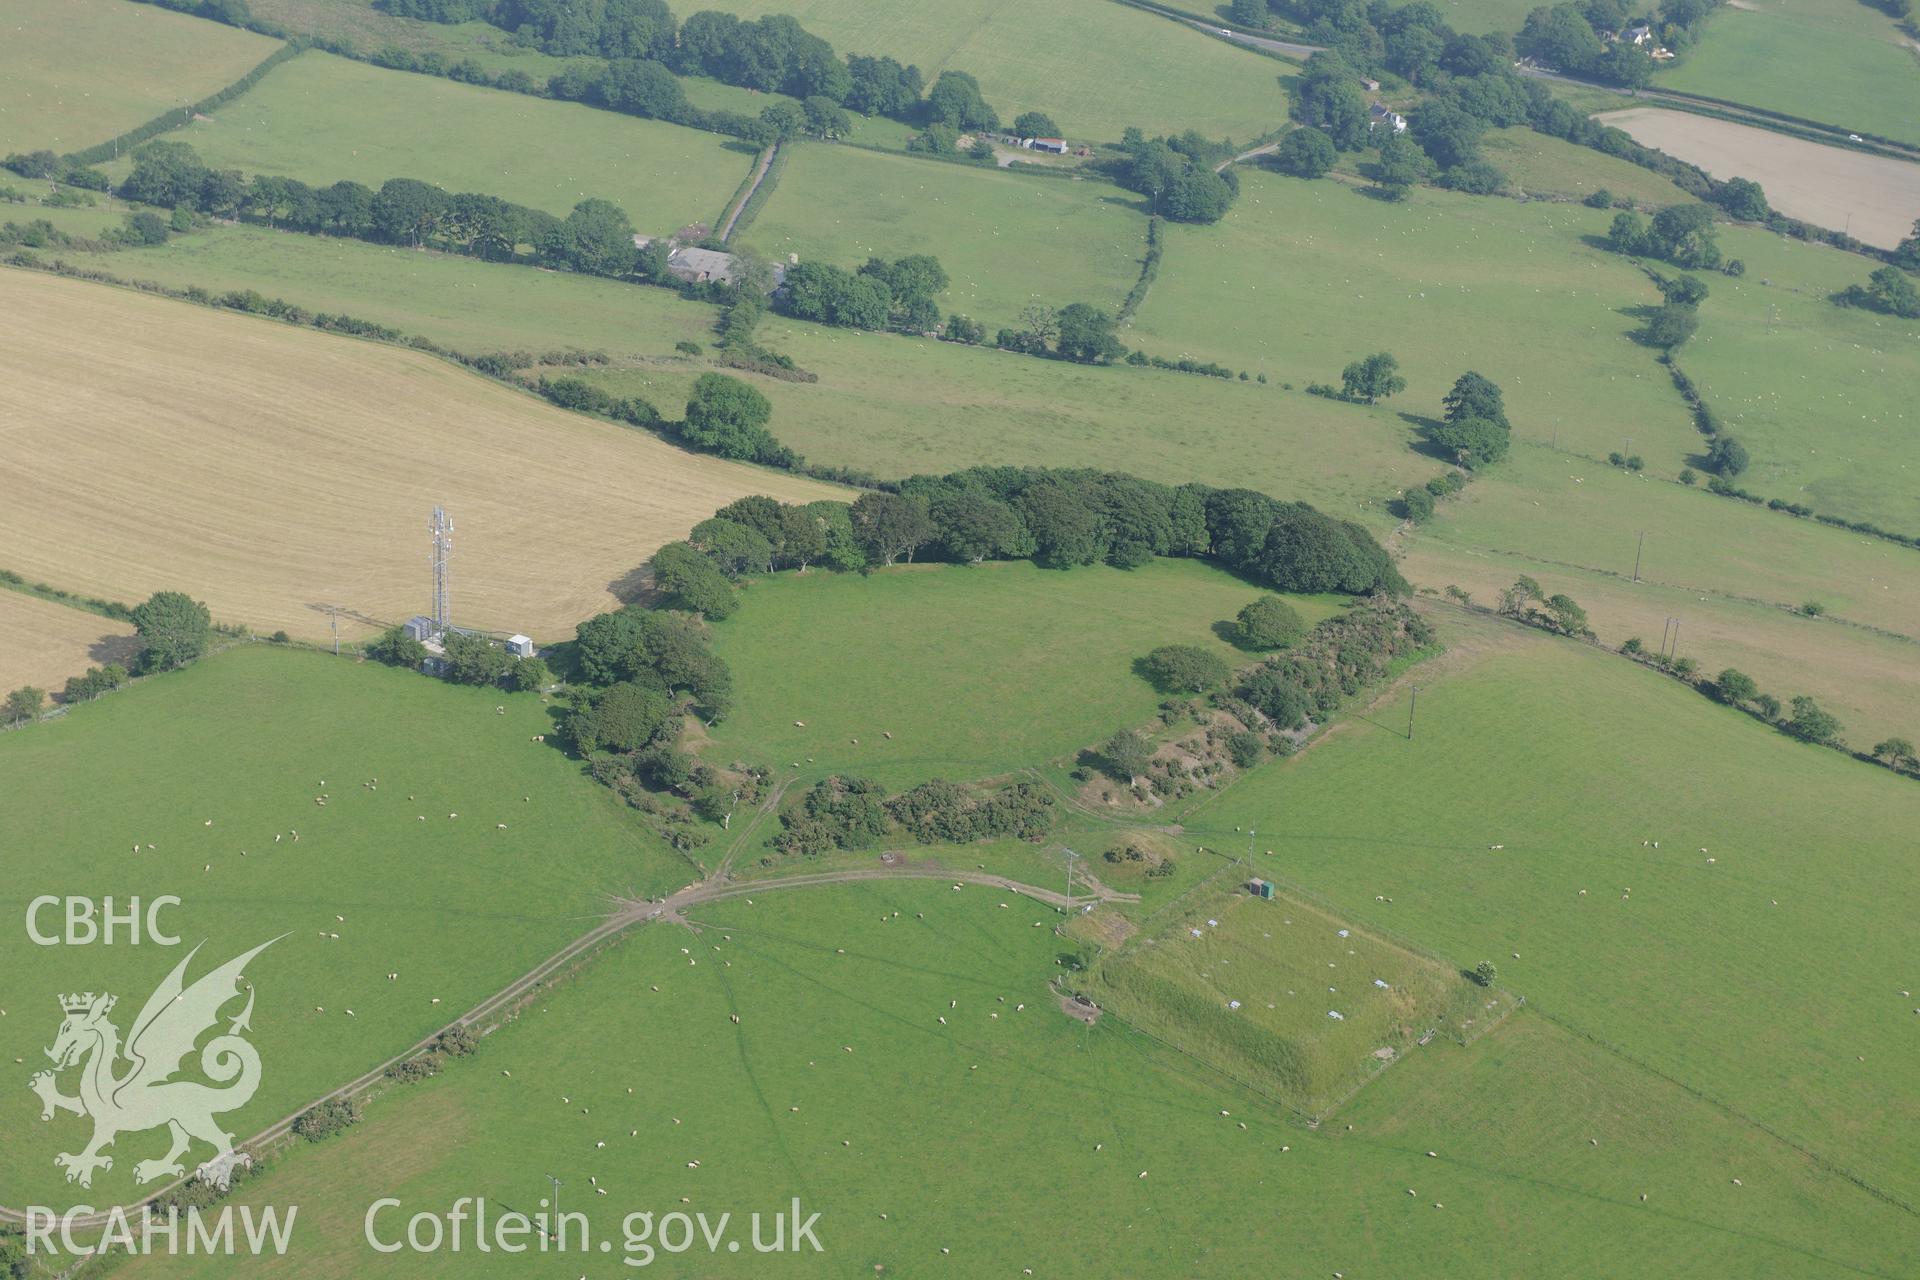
1571,759
74,73
974,671
1540,164
42,643
1250,985
896,406
462,303
1005,241
273,471
245,739
1014,1108
320,119
1094,67
1875,198
1302,277
1836,61
1823,396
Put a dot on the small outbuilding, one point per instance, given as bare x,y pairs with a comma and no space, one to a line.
420,627
520,646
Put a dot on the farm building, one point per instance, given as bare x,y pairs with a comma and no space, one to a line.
1053,146
706,266
1378,115
1369,84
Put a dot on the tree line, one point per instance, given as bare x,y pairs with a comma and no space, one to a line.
1056,518
643,42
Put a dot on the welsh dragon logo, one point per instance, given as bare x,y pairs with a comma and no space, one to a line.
144,1094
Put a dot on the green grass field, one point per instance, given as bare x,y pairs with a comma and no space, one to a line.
1251,986
460,302
1839,62
1822,396
244,740
320,119
1094,67
77,72
1302,277
1662,954
1540,164
1005,241
896,406
974,671
839,1085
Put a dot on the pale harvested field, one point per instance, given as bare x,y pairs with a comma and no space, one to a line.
42,643
272,471
1821,185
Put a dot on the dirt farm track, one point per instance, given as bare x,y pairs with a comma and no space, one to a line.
1822,185
274,471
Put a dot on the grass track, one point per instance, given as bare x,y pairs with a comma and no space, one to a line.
244,739
1010,1109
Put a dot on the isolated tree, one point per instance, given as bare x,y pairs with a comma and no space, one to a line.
1402,165
1307,152
727,417
693,581
1268,623
1484,973
1086,334
890,525
1736,688
1565,616
397,648
622,717
955,100
1473,442
600,239
1066,528
1727,455
975,526
1184,668
166,174
1743,200
1036,124
1125,755
1812,724
1416,504
1671,325
1474,395
173,631
23,704
1373,378
1897,752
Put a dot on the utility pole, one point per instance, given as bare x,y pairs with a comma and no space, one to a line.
556,1199
1412,706
333,616
1636,554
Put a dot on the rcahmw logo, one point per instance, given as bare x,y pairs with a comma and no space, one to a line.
145,1093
